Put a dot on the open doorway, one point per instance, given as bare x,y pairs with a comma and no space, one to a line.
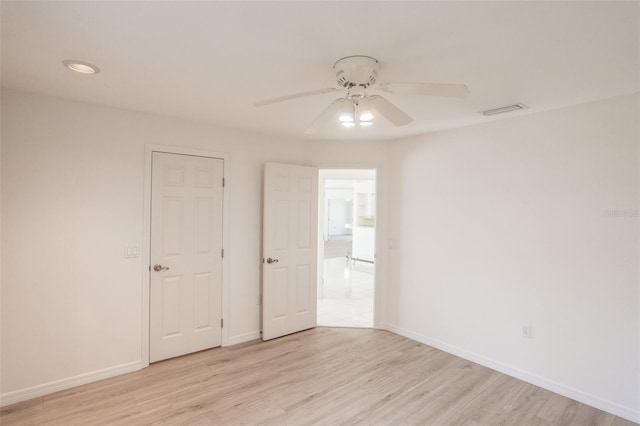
346,264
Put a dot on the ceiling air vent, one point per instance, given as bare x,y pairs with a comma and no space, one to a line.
503,109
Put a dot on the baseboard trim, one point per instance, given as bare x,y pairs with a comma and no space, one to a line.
70,382
82,379
569,392
241,338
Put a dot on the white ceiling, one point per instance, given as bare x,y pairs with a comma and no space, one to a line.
211,61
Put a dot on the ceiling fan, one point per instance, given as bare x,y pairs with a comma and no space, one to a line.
357,74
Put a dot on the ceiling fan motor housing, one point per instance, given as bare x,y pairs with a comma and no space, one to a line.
356,71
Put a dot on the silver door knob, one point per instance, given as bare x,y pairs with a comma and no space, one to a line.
270,260
159,268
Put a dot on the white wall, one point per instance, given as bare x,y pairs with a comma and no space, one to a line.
505,224
72,198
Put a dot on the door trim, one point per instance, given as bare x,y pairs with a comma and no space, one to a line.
149,149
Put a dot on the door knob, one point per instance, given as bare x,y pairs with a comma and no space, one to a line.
159,268
270,260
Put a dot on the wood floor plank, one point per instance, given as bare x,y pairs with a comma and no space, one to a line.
323,376
452,397
617,421
22,412
589,416
558,410
522,409
485,407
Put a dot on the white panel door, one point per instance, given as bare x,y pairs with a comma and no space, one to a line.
290,249
186,255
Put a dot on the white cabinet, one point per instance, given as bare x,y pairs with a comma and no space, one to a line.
363,243
365,208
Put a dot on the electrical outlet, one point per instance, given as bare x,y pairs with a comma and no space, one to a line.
526,331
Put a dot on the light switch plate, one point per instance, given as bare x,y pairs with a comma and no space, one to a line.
131,251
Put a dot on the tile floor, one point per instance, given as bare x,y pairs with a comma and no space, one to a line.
346,298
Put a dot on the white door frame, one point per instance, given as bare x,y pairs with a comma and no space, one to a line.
381,214
146,238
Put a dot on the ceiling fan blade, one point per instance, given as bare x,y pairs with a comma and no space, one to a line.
296,96
427,89
328,116
388,110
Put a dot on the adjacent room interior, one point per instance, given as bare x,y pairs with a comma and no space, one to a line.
346,281
167,254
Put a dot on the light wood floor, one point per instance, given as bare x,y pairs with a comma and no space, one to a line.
321,376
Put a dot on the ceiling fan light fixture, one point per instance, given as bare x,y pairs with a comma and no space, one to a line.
366,116
365,112
348,123
365,123
346,118
346,112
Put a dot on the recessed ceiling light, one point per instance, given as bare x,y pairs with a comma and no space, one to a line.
81,67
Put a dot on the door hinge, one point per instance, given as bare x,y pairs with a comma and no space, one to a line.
221,322
222,253
223,182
